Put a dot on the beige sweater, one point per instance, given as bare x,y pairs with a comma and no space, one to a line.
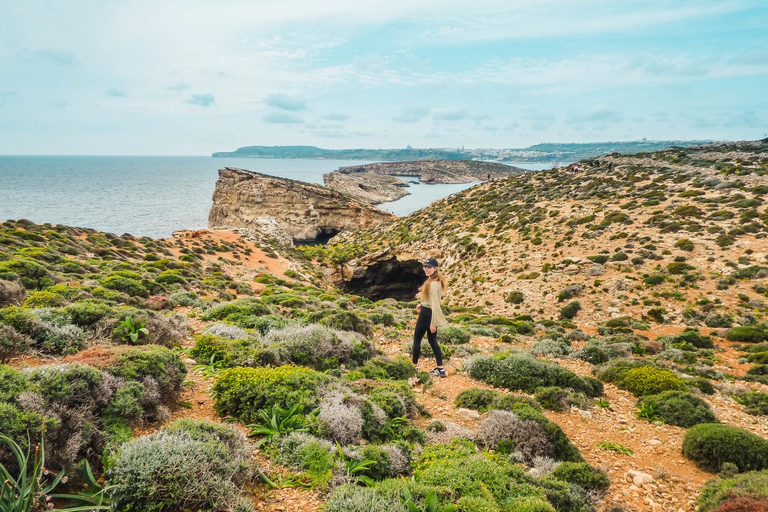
433,302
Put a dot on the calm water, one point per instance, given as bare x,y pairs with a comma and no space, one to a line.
150,196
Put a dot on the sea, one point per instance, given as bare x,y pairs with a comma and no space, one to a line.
156,195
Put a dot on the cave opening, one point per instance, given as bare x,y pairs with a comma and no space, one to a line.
322,238
399,280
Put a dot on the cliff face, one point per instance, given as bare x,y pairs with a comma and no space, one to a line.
438,171
304,211
369,187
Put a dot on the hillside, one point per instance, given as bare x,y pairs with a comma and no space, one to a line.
608,405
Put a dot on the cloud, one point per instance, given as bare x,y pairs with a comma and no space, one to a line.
335,116
282,118
61,58
58,104
202,100
449,114
285,102
181,86
411,114
116,93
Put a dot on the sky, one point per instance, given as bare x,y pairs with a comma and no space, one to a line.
192,77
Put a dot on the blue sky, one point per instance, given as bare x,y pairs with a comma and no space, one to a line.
192,77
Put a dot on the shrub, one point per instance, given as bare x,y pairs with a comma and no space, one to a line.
87,312
515,297
44,299
526,373
693,337
684,244
399,368
649,380
653,279
710,445
160,363
237,311
188,466
680,408
242,392
486,399
559,399
747,334
344,321
569,292
571,309
132,287
303,452
583,475
755,402
453,335
12,343
752,486
679,267
12,293
319,347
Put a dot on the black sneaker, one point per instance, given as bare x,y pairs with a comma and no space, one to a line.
439,372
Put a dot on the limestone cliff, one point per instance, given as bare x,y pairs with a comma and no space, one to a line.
304,211
438,171
369,187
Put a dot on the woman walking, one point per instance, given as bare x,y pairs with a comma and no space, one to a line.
430,315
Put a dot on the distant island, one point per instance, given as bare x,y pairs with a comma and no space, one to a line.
545,152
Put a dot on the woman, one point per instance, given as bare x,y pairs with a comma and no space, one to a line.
430,315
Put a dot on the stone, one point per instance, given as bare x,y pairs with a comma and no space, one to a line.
12,293
438,171
596,270
639,478
304,211
468,413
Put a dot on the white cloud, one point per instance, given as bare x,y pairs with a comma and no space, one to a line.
449,114
285,102
202,100
282,118
411,114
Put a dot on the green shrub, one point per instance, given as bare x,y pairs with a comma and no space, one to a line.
720,491
619,256
747,334
598,258
515,297
209,346
453,335
679,267
680,408
571,309
559,399
21,427
132,287
486,399
184,467
44,299
649,380
692,337
12,382
526,373
160,363
87,312
11,342
242,392
399,368
237,311
344,321
583,475
710,445
653,279
755,402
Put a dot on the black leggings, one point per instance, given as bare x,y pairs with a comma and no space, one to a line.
422,327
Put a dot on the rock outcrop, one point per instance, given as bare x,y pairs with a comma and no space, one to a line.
306,212
438,171
369,187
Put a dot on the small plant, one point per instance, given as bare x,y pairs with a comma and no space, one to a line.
94,497
602,403
648,411
614,447
356,469
281,421
430,503
133,330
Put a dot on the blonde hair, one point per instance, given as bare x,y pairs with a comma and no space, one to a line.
437,276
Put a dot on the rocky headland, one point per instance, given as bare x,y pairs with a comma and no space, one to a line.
438,171
369,187
306,212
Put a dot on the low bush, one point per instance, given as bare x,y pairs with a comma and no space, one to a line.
755,402
486,399
747,334
720,494
710,445
399,368
559,399
571,309
515,297
12,343
87,312
692,337
242,392
453,335
190,465
519,371
238,311
583,475
649,380
680,408
319,347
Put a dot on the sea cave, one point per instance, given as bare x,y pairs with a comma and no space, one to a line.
399,280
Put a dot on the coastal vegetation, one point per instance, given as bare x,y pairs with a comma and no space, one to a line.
214,371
